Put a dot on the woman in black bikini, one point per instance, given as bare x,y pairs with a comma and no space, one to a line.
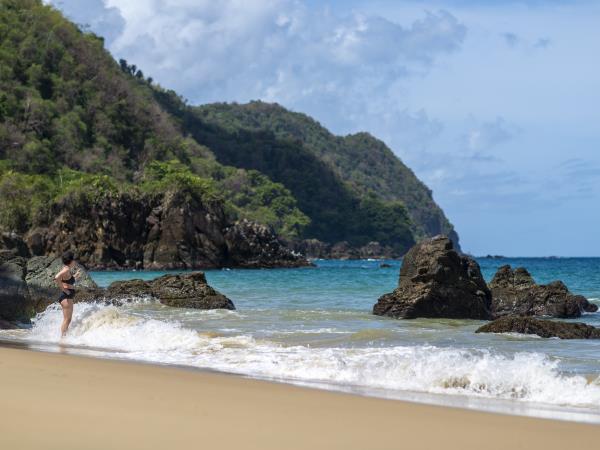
65,281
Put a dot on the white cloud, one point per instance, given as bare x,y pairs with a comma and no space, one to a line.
444,101
339,67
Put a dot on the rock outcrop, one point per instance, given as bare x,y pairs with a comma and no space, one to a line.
313,248
13,244
15,302
540,327
188,290
27,287
343,250
514,292
6,325
252,245
377,251
167,231
435,281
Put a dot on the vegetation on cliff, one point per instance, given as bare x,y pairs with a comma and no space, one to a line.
73,120
337,212
363,162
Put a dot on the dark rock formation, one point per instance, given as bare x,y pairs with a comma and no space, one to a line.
28,287
514,292
184,233
313,248
543,328
435,281
129,289
189,291
182,291
252,245
343,250
385,265
377,251
6,325
15,303
168,231
13,244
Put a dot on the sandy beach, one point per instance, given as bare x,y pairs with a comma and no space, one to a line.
57,401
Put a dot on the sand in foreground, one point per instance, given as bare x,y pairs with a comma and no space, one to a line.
53,401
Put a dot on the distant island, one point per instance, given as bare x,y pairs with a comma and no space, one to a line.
98,158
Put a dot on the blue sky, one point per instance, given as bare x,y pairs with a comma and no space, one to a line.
494,104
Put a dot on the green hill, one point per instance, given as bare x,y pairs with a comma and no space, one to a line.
66,104
365,163
337,212
73,119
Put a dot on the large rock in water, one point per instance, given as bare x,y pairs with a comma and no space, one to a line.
514,292
435,281
542,328
182,291
15,302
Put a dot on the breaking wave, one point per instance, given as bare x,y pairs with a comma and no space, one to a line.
526,376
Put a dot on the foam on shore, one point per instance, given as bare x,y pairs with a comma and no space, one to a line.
525,377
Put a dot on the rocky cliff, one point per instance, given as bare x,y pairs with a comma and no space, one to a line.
173,230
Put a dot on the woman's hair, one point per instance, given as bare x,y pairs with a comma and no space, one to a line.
67,257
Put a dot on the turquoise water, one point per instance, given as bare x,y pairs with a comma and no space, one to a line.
338,296
314,326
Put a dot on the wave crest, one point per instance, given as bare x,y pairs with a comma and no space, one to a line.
529,377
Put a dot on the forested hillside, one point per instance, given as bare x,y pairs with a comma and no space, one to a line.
337,212
365,163
74,124
69,111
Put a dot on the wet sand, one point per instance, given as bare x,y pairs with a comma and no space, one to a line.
57,401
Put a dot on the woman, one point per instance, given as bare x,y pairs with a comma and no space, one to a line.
66,280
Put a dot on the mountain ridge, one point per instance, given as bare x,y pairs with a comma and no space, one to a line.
363,161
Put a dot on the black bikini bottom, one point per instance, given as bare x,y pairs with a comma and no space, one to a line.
64,295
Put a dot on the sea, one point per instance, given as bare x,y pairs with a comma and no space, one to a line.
313,327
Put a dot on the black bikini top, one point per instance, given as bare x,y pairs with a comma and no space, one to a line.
71,280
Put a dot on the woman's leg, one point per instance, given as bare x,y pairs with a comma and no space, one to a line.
67,308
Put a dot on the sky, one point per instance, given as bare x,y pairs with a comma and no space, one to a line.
494,104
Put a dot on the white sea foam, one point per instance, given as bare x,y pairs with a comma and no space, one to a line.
529,377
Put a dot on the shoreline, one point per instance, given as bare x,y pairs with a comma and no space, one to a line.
81,402
462,402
